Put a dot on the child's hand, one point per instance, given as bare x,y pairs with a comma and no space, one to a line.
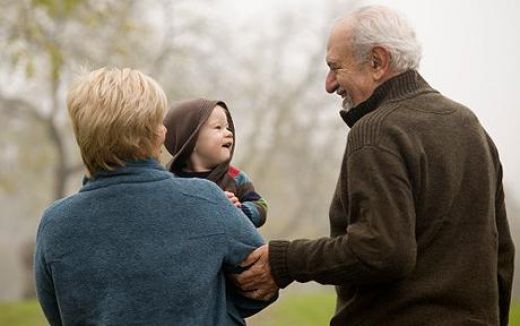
233,199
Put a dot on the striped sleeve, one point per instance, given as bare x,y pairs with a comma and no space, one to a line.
253,206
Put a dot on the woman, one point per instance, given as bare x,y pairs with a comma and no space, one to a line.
137,246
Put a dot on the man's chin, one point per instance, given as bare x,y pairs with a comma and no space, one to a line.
347,105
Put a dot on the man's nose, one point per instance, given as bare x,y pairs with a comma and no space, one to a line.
331,83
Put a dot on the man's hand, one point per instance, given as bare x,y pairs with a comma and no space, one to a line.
233,199
257,282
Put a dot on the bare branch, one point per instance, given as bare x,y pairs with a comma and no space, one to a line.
13,106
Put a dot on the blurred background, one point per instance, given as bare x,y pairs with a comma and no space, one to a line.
266,60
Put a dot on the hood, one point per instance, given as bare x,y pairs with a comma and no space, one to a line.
183,123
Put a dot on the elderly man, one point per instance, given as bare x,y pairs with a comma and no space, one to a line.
419,234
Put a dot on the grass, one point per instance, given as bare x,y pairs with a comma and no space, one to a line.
514,314
294,309
297,309
24,313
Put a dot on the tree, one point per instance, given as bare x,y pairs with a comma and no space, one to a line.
43,45
271,79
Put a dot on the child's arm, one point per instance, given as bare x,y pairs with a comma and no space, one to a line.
254,207
233,199
252,204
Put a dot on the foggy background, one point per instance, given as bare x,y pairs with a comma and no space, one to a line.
264,59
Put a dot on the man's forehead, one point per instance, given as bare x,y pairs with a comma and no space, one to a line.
337,46
339,40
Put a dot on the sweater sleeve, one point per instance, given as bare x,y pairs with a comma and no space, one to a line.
242,239
43,279
254,206
379,244
506,254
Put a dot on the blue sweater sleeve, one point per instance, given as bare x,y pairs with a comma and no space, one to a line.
242,238
241,235
43,280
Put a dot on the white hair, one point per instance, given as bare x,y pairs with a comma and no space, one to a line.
380,26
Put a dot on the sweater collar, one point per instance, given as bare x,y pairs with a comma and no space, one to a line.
130,167
133,171
403,85
200,175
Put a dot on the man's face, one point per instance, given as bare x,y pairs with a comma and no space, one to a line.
350,79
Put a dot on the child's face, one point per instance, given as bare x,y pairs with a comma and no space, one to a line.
214,143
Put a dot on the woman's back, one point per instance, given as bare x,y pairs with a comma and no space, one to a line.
138,246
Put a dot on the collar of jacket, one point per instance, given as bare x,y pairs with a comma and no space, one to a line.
405,84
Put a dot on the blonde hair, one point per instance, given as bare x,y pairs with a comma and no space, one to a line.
115,115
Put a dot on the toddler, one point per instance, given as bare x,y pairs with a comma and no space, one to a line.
201,138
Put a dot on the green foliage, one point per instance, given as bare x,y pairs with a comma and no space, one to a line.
56,60
55,7
41,36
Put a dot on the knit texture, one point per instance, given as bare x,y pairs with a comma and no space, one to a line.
138,246
253,205
419,234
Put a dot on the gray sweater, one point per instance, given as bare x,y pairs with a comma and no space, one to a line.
138,246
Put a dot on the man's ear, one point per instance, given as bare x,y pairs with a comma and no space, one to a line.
380,63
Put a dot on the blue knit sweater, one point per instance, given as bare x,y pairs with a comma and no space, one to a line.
138,246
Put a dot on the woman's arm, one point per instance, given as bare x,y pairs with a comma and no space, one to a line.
242,238
43,280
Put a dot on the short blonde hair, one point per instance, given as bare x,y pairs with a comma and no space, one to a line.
115,114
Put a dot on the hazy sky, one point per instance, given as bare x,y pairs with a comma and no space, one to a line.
471,53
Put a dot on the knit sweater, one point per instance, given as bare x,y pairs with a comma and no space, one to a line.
419,234
138,246
252,205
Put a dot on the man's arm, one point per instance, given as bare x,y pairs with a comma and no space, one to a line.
506,254
257,280
379,244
